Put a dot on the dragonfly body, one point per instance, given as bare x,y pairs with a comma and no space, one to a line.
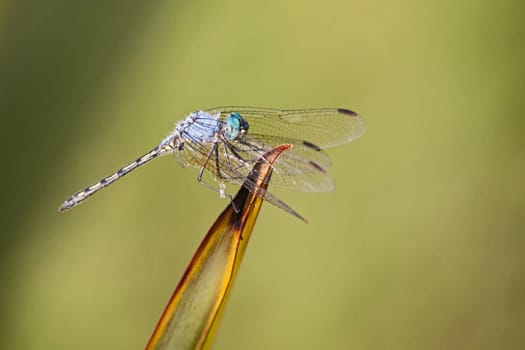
227,142
199,127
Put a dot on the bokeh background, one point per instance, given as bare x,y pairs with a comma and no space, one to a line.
421,246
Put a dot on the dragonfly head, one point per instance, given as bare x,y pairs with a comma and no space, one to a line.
235,126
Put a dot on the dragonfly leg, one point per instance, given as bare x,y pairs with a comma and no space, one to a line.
201,171
222,186
220,189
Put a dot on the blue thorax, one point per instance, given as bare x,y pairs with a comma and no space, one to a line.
199,126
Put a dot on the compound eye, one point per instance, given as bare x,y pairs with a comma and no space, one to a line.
233,126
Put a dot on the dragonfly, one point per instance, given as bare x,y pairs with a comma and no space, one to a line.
226,142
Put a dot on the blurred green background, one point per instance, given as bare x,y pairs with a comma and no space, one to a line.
421,246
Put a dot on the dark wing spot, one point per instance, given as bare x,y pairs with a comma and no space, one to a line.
317,167
312,146
347,112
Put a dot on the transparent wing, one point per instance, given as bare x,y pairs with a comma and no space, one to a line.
194,152
299,168
322,127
